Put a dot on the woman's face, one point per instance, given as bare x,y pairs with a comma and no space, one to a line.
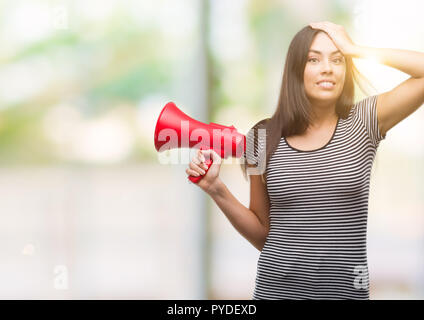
324,62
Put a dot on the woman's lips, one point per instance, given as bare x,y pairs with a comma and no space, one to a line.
326,85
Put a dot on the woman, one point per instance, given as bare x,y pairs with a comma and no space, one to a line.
309,205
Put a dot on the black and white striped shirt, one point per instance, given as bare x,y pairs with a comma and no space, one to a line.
316,246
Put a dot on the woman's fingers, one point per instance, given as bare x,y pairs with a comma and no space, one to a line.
200,160
191,172
200,155
211,154
197,164
196,168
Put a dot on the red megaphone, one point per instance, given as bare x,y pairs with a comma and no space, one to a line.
174,129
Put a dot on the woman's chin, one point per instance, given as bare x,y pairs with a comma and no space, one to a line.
323,96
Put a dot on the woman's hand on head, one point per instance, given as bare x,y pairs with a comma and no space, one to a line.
339,36
198,167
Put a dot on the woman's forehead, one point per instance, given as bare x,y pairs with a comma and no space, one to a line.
323,43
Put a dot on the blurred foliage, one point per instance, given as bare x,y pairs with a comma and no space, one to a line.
21,138
97,65
112,61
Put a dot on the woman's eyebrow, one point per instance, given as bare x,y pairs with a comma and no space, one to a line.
319,52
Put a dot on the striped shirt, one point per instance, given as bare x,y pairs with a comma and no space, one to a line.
316,246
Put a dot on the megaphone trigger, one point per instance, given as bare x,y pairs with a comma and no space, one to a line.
208,162
197,179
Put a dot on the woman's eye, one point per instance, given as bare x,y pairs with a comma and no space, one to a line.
338,60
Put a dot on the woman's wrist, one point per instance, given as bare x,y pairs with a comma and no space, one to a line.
356,51
215,187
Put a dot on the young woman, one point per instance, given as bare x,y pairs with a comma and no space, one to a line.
308,208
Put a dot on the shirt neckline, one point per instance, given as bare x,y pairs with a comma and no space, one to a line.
329,141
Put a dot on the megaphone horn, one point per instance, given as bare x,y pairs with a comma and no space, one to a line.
190,133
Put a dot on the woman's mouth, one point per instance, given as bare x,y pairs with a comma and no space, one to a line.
326,84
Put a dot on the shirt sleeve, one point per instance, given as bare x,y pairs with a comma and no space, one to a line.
254,155
366,110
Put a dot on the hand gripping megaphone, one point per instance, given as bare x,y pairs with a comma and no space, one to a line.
174,129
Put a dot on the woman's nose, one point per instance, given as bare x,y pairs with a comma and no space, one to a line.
326,66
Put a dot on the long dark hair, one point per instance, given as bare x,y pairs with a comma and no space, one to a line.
293,113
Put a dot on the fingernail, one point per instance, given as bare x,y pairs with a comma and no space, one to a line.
203,172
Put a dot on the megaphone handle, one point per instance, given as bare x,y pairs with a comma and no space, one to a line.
198,178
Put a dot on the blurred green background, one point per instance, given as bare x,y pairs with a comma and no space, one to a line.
89,212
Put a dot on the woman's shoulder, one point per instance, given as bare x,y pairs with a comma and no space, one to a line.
261,124
256,140
257,133
365,103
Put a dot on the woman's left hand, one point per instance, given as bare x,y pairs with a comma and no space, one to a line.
339,36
